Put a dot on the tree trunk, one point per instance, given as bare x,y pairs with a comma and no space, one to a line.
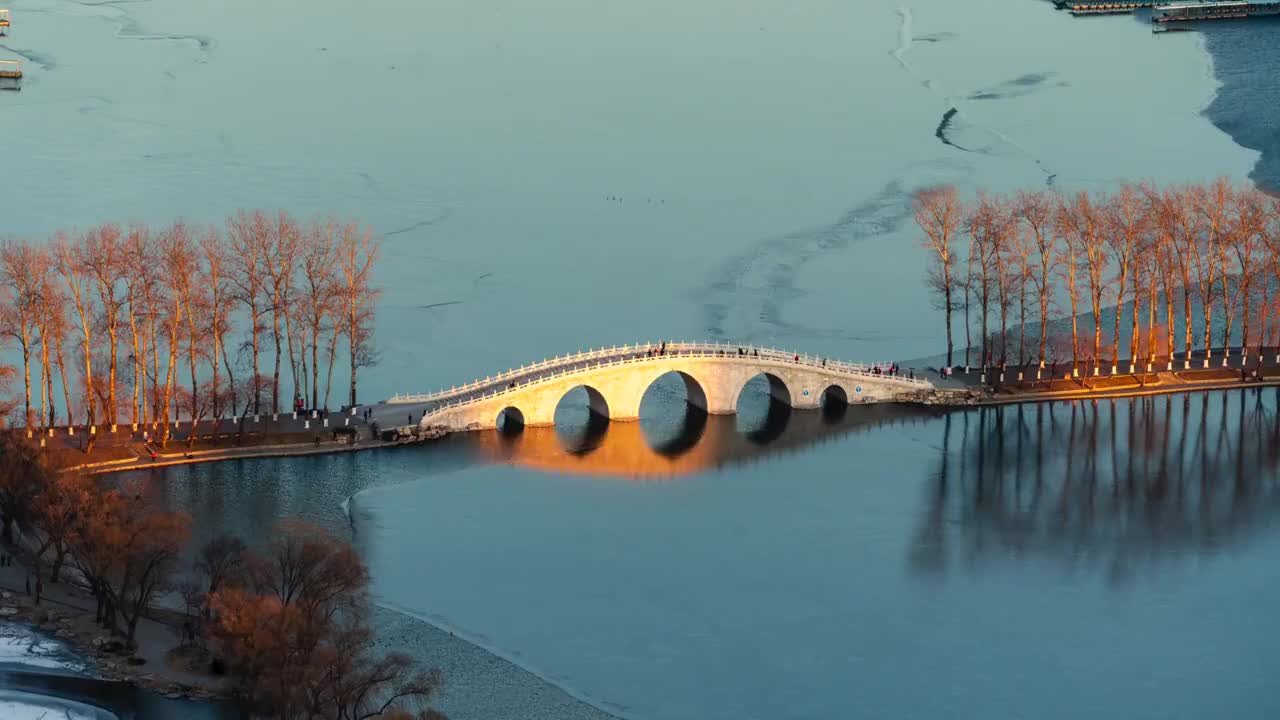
113,333
275,377
231,381
315,367
333,354
293,360
62,371
1186,310
354,347
138,371
254,317
1115,339
947,313
155,368
26,375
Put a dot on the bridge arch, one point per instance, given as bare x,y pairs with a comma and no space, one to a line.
510,420
834,403
581,432
595,402
694,393
670,424
763,407
776,386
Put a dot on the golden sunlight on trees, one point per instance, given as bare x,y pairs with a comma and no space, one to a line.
1210,251
174,322
294,633
288,622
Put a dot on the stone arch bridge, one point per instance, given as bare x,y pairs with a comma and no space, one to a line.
616,379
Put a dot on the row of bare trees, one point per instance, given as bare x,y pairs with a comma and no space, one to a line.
1202,257
147,318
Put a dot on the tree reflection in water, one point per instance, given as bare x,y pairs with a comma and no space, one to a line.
1117,485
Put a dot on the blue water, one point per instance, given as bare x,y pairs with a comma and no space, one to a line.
565,174
1247,63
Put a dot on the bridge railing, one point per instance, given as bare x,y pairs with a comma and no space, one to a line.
684,349
634,354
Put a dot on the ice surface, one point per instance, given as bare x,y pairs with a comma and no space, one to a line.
21,646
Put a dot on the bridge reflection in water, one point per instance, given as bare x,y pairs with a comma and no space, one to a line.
1117,485
673,438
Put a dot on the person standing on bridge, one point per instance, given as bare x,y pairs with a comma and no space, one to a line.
797,358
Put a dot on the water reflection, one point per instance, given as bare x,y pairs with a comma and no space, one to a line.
1118,485
699,442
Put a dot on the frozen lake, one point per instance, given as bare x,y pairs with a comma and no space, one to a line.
555,175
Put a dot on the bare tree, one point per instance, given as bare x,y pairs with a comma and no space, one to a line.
248,234
983,225
1248,228
177,259
1178,228
1036,211
102,258
1126,219
1070,254
19,268
280,255
1085,225
138,278
1005,258
938,212
221,563
195,299
69,254
50,321
213,262
357,252
1210,205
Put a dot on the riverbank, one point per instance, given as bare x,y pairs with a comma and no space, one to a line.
127,449
975,387
242,453
160,662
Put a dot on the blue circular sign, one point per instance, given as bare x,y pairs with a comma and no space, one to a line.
858,389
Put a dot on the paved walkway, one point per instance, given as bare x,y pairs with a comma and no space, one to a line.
1058,383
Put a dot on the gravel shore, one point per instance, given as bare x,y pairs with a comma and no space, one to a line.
478,684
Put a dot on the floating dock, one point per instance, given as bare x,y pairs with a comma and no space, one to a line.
11,69
1103,7
1180,12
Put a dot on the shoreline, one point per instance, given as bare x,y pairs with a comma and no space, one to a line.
1120,393
65,614
970,391
107,467
495,678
